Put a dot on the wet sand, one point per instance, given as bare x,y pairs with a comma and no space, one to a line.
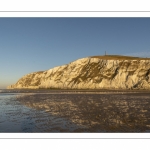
105,111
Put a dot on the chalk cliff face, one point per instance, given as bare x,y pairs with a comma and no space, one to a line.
97,72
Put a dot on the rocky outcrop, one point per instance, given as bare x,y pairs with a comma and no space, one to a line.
97,72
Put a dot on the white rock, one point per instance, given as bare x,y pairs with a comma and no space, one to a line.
91,73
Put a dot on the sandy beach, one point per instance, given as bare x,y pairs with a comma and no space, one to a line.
96,112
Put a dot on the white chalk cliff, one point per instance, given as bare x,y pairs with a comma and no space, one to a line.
97,72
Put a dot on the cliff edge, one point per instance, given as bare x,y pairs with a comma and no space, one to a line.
96,72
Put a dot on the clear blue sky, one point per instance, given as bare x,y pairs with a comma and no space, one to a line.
34,44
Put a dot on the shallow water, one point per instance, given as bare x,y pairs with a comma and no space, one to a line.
74,112
16,117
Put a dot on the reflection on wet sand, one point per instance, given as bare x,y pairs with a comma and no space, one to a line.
15,117
128,112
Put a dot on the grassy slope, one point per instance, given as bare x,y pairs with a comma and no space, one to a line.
118,57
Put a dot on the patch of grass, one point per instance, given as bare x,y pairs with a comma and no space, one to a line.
119,57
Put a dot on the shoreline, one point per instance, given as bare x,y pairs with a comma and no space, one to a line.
93,91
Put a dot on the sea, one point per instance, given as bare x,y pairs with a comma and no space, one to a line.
74,111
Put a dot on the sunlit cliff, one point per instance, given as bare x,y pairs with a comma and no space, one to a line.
96,72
